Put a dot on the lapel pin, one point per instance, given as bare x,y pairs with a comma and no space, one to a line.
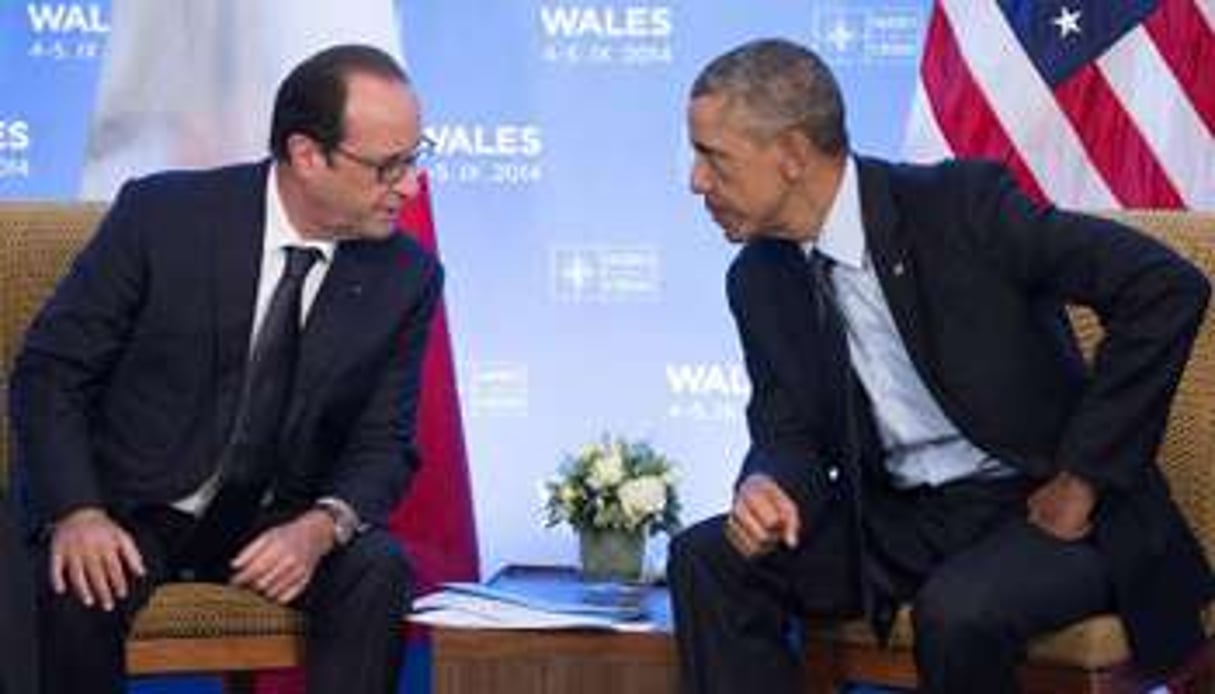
898,269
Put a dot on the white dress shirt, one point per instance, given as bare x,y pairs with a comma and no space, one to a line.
922,446
279,234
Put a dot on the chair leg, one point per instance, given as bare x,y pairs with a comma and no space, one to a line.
820,669
240,682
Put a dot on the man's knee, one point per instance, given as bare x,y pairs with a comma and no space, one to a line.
65,616
953,609
376,565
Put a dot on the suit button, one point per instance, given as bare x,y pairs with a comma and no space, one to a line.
833,473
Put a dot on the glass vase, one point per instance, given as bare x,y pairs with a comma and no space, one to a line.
611,555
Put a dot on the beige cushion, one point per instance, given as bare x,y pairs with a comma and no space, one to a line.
1092,644
197,610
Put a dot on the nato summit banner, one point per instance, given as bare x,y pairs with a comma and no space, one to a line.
585,283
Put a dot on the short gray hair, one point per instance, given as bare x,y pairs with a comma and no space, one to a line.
781,84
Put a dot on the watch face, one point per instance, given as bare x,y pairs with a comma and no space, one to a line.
343,531
343,528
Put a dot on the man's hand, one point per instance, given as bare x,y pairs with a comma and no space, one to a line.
763,515
92,555
1063,506
279,563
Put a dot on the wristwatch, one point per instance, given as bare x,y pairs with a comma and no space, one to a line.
345,520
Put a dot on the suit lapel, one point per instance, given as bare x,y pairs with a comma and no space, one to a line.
239,230
891,256
344,308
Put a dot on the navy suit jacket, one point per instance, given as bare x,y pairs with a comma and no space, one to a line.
18,645
129,378
976,277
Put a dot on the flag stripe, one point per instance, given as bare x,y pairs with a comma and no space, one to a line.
1187,43
1162,115
1207,10
1025,106
925,141
437,517
966,119
1114,143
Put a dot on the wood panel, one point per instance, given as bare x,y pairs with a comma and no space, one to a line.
472,661
148,656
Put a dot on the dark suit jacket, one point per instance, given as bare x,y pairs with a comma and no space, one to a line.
128,381
976,277
18,645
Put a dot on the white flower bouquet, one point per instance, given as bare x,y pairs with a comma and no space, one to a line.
616,485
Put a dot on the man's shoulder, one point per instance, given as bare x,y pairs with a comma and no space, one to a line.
944,173
930,193
401,251
183,185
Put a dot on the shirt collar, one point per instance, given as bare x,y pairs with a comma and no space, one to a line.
842,237
280,232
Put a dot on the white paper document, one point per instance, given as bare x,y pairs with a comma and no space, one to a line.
463,609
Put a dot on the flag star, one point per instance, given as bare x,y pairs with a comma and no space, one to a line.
1068,21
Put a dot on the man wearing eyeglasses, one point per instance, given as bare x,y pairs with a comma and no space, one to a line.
223,388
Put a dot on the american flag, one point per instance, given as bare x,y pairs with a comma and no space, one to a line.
1094,104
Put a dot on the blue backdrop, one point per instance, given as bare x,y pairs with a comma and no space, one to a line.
585,282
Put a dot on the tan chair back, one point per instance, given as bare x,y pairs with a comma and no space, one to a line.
1187,455
37,242
187,627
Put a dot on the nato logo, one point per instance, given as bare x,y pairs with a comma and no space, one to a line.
603,273
872,34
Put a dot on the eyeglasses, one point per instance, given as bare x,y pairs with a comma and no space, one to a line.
390,170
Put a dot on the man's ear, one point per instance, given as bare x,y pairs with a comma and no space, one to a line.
305,154
797,154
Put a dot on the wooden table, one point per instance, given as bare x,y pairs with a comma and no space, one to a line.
472,661
475,661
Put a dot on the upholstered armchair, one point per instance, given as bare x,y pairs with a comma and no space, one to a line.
187,627
1090,656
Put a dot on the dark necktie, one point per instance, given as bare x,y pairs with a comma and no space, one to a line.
249,460
877,597
830,320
